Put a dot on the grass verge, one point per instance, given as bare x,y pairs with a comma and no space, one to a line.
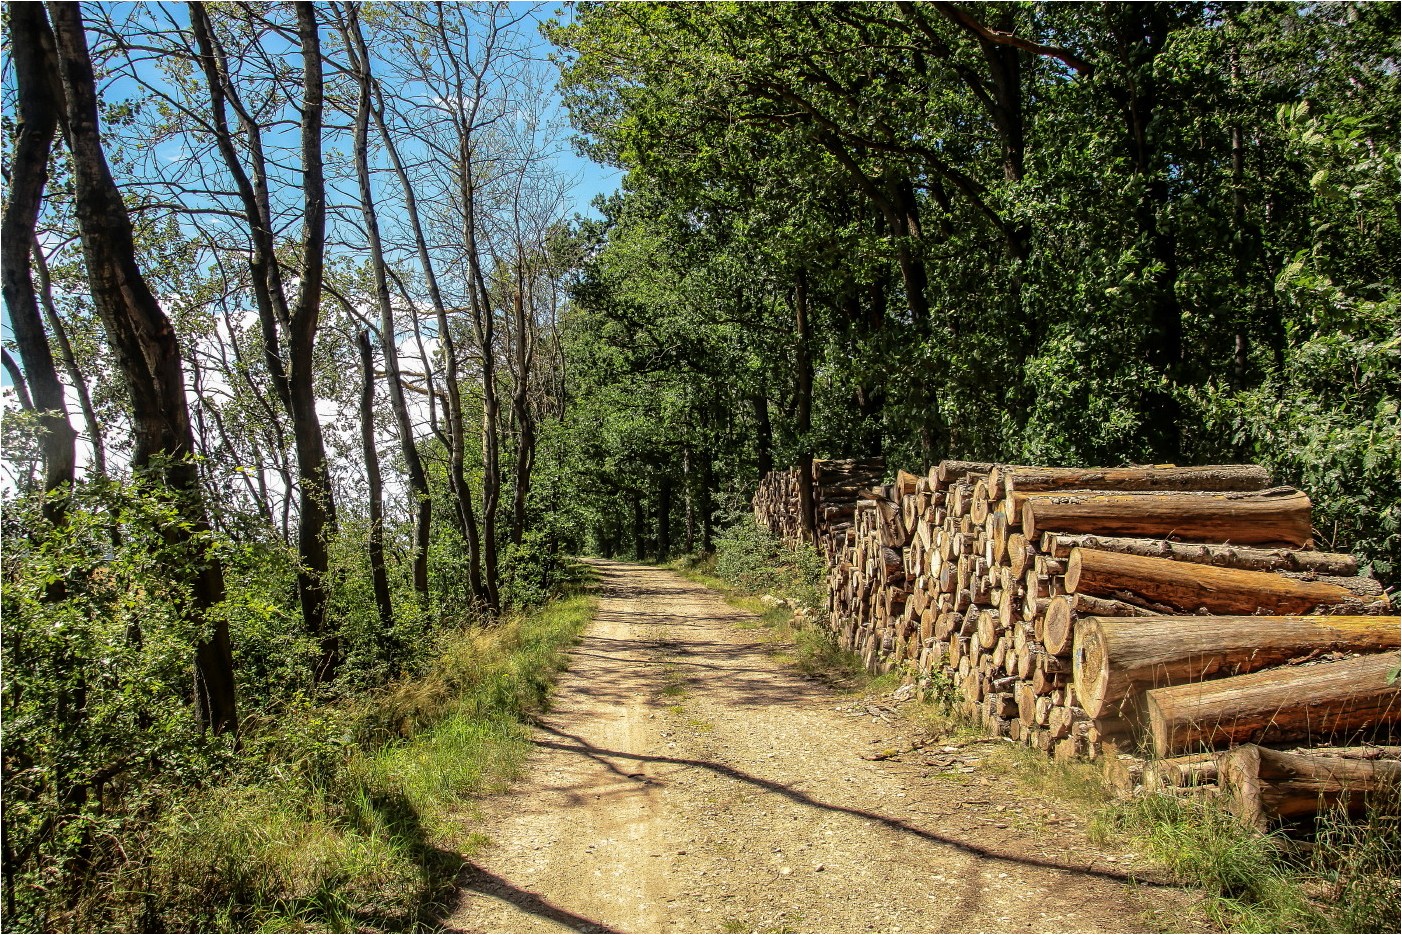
361,817
1344,878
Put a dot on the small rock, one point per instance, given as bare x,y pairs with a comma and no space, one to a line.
785,871
817,868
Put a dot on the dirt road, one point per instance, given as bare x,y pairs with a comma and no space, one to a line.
686,780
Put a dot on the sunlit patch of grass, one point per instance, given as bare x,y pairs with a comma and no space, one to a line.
1345,880
378,839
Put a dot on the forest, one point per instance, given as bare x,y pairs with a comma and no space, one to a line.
313,372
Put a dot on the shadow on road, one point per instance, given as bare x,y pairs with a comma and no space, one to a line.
579,745
474,879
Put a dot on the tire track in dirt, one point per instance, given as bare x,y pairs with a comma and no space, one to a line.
687,781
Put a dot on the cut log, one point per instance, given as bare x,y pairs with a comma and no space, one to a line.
1265,785
1117,658
1059,545
1344,701
1278,516
1217,590
1058,630
948,472
1181,772
1234,477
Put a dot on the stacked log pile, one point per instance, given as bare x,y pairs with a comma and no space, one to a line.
1176,610
837,485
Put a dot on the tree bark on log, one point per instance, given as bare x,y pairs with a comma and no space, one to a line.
1263,785
1117,658
1215,590
1057,545
1058,624
1344,701
1222,477
1278,516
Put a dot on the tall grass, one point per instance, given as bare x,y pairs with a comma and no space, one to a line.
1342,878
351,817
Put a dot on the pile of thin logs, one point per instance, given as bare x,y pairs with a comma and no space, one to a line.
1180,611
836,487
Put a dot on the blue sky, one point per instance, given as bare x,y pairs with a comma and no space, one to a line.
591,179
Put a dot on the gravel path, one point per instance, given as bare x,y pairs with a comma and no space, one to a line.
685,780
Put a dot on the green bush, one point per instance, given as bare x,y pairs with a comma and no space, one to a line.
751,560
528,571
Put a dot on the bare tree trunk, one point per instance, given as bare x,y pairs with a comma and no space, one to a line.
38,104
418,479
524,348
484,324
463,514
70,363
316,504
148,356
379,579
664,516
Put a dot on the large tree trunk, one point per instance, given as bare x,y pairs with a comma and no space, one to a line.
1345,701
1273,517
316,502
148,357
664,516
1224,477
38,106
1204,588
1263,784
1117,658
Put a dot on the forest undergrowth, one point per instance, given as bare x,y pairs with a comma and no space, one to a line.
345,811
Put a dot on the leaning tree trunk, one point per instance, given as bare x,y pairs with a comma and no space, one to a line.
28,172
413,464
70,364
148,357
462,515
